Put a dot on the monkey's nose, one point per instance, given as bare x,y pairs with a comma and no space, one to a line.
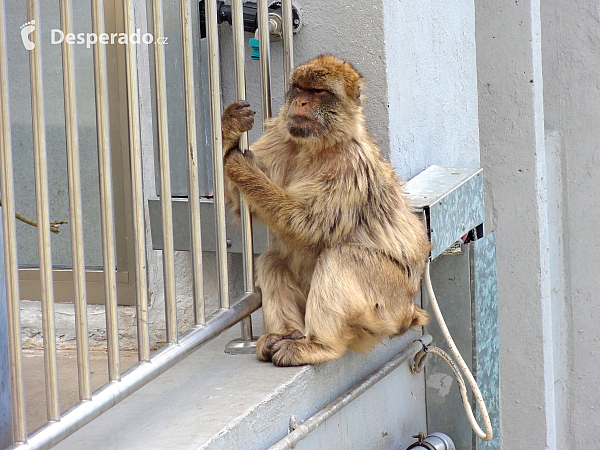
304,103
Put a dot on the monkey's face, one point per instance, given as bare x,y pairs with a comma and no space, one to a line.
323,103
310,112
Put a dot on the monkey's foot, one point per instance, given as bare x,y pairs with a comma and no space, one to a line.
306,351
265,344
287,353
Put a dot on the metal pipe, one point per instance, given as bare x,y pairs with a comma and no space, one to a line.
288,42
43,216
106,194
10,249
139,375
192,143
264,49
265,60
74,174
246,325
165,164
217,148
137,195
350,395
237,16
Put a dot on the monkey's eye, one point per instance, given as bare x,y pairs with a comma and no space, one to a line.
319,91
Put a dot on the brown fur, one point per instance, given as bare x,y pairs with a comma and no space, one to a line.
347,253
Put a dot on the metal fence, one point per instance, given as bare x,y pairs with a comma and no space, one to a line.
150,365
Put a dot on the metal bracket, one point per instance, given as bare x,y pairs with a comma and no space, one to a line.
452,200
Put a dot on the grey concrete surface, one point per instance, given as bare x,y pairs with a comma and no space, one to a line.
570,46
219,401
375,421
511,123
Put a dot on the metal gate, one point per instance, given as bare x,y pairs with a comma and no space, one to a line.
151,364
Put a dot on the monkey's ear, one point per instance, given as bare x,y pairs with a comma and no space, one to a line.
357,92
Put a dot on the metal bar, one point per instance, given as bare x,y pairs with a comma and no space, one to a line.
246,218
246,325
74,174
106,194
264,48
165,166
288,42
217,148
240,93
350,395
139,225
192,143
43,216
265,60
139,375
10,248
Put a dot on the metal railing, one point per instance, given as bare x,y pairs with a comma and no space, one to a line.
150,365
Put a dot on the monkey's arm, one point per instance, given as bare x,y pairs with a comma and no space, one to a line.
237,118
326,220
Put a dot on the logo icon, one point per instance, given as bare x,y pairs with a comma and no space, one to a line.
26,30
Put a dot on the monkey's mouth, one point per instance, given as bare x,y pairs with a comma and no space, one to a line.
303,127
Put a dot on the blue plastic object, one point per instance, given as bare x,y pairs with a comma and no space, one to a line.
254,46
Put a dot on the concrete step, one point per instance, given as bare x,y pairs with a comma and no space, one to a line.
215,401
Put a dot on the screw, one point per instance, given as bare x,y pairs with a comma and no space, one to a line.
296,21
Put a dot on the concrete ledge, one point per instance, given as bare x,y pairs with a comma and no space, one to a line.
218,401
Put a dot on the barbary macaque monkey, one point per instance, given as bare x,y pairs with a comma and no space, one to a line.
347,252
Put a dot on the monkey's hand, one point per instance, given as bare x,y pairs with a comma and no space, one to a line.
240,167
237,118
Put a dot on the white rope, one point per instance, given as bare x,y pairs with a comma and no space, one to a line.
488,434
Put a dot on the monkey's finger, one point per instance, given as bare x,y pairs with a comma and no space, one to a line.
249,155
247,126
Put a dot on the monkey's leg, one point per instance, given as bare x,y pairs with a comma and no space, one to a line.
357,297
283,303
334,299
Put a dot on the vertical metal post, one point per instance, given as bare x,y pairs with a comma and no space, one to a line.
217,148
288,42
43,216
240,94
265,59
165,171
10,248
106,194
192,144
246,344
74,174
139,225
264,48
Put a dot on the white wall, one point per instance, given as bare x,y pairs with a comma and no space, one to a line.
432,84
539,103
570,45
511,124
